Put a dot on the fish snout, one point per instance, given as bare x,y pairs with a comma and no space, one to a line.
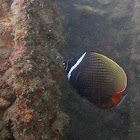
65,65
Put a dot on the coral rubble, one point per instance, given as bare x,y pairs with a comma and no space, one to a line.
30,71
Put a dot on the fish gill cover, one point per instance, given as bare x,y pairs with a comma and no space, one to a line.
30,71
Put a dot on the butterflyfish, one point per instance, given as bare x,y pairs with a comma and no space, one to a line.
97,78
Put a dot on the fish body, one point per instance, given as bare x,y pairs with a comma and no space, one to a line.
97,78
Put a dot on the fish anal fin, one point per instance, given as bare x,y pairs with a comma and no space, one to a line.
117,98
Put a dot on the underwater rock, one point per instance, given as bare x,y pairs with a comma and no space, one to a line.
89,10
1,125
5,134
4,52
4,8
121,11
135,68
61,121
104,2
4,103
31,71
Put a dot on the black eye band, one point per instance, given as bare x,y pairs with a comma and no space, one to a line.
65,64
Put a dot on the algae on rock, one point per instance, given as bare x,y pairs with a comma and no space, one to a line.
30,71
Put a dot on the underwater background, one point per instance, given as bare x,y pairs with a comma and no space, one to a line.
36,36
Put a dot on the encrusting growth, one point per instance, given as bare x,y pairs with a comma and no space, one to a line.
31,71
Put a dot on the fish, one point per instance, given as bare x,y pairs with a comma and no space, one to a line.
97,78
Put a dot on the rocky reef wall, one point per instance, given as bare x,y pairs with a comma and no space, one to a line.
31,71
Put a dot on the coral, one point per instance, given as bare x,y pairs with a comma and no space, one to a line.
4,51
28,118
31,71
4,103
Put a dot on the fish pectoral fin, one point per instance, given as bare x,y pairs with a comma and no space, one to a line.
77,77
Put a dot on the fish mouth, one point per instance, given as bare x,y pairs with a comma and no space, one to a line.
65,64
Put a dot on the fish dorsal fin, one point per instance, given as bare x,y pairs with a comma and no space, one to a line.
119,77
